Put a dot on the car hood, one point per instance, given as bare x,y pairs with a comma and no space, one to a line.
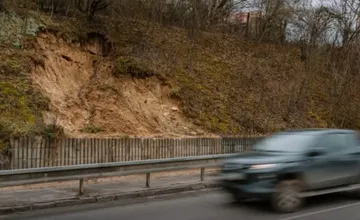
251,158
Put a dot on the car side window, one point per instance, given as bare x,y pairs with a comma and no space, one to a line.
336,142
328,142
347,140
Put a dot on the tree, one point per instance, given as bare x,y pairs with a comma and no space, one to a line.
346,13
312,26
56,6
2,5
91,7
274,15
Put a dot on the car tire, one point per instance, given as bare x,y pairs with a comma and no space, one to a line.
287,197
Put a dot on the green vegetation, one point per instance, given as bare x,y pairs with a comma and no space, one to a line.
132,67
91,129
20,104
53,131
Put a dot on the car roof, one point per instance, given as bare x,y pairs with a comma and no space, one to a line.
317,131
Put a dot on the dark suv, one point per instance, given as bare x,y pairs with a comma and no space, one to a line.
289,166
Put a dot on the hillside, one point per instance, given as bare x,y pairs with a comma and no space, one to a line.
146,79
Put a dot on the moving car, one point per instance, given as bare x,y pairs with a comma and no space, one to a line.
289,166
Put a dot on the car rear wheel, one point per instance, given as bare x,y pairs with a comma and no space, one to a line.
287,198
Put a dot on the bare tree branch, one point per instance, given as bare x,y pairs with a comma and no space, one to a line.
347,16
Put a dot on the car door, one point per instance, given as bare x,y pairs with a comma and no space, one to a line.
334,166
349,146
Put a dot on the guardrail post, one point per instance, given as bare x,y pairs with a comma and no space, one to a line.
202,173
81,187
148,180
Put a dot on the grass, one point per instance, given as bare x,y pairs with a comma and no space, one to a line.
132,67
91,129
20,104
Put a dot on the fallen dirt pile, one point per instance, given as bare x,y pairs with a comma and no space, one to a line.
87,99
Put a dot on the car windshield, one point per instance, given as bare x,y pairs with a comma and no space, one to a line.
285,143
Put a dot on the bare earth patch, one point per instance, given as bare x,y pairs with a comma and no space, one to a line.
87,100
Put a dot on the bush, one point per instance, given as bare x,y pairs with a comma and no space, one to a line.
132,67
88,7
91,129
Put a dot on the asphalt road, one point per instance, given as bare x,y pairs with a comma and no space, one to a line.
213,205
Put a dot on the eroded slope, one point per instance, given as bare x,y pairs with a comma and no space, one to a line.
86,97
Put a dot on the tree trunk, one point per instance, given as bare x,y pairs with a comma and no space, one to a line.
2,5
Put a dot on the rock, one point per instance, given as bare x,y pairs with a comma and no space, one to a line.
193,133
175,109
166,114
77,44
200,132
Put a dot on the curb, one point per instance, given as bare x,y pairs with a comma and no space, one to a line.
123,197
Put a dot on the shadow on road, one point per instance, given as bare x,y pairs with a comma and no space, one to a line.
328,200
312,203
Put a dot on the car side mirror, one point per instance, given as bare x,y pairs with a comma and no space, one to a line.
315,152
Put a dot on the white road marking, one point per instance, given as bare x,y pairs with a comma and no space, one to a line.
321,211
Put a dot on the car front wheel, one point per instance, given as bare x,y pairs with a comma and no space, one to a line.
287,197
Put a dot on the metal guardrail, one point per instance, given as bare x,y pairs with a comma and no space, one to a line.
81,172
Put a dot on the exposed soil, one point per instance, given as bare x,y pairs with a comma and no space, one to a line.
87,100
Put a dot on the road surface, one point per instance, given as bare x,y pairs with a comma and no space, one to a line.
213,205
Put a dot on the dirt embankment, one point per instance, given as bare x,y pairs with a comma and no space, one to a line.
86,99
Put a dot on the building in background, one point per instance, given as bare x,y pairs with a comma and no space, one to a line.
248,21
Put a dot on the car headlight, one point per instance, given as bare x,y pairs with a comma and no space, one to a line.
262,166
